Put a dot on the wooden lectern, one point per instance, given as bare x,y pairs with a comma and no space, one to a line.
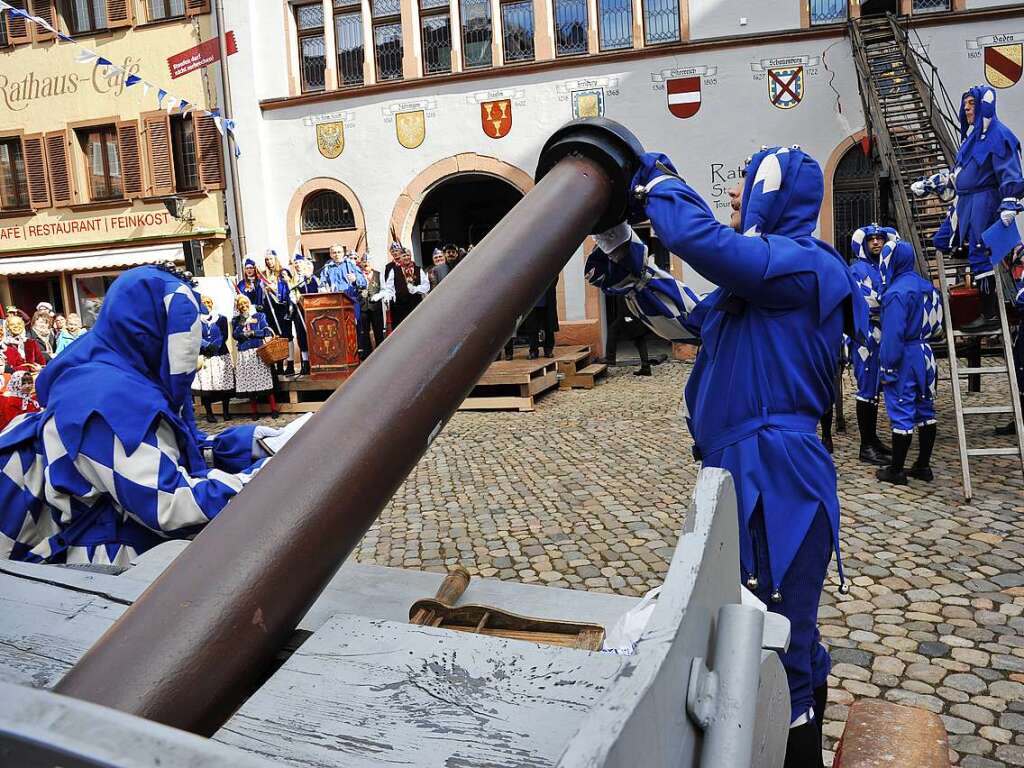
331,328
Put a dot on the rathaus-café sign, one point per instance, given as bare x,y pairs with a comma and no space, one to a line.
16,94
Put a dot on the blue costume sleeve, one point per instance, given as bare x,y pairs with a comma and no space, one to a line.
894,320
232,448
688,228
237,330
1011,184
665,305
262,329
943,239
152,485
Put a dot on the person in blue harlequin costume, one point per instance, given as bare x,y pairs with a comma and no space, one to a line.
868,244
988,182
251,286
762,379
911,315
114,465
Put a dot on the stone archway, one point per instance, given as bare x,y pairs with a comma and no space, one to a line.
826,220
354,237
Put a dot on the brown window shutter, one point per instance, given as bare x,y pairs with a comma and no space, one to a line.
35,169
131,158
58,163
195,7
44,10
119,14
158,153
18,31
210,150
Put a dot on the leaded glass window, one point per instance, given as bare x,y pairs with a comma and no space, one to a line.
828,11
309,21
348,39
927,6
517,30
615,24
436,32
326,210
476,33
570,27
661,21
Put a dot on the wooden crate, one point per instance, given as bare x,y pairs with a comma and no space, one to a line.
575,368
511,385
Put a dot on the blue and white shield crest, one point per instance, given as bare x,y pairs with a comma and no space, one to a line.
785,86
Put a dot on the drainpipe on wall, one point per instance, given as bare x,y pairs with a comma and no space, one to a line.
236,189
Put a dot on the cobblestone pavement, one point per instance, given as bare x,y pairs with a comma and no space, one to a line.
589,492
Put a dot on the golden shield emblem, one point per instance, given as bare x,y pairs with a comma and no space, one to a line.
411,128
330,139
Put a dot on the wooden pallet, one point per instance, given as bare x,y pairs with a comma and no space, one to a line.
575,368
301,395
511,385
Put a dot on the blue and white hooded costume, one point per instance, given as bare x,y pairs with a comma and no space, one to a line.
867,272
987,177
911,315
765,371
114,464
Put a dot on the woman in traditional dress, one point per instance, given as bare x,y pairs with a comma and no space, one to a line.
71,331
278,281
114,464
253,377
251,286
18,398
20,352
216,377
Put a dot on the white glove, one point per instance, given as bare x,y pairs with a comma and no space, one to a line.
378,296
261,432
1007,217
612,238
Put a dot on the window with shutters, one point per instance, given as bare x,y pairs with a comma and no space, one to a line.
83,16
13,179
158,10
102,162
186,161
16,29
309,21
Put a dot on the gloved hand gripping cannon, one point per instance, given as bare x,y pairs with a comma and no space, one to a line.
200,639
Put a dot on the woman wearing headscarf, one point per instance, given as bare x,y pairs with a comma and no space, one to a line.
43,333
72,331
280,310
114,464
18,398
20,352
253,377
216,377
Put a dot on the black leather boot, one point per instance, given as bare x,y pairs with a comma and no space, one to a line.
926,442
894,473
304,368
803,749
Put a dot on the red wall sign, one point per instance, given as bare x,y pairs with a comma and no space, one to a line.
203,55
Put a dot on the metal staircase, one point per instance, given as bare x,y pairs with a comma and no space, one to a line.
910,119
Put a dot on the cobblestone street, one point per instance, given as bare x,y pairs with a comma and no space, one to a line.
590,490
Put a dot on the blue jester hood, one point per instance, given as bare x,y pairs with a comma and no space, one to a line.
993,138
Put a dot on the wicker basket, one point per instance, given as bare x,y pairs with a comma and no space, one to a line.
274,350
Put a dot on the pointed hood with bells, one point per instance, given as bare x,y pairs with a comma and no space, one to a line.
134,367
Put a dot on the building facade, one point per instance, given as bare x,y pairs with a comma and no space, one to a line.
97,172
423,119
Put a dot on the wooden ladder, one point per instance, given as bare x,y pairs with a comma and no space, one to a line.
909,118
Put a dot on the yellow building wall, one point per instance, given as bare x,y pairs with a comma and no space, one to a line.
43,88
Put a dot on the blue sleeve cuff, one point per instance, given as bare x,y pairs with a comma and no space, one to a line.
232,449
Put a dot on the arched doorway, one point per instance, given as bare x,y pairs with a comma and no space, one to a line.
855,198
324,212
461,210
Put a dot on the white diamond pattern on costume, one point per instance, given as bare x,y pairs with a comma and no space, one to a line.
178,509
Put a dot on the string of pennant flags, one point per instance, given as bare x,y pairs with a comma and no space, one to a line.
164,99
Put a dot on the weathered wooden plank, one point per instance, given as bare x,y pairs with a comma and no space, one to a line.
879,733
364,693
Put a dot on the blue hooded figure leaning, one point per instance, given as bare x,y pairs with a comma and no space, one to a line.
988,181
114,464
770,338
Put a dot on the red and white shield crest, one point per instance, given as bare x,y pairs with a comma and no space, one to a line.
683,96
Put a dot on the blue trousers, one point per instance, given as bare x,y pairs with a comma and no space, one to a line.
807,662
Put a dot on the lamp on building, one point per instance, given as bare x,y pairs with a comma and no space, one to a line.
176,207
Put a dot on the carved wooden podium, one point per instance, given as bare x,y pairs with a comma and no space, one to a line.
333,342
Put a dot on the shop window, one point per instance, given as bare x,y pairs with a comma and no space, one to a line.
517,30
387,39
326,210
661,21
102,162
436,30
476,33
828,11
570,27
309,20
615,24
13,179
165,9
186,161
83,16
348,38
90,291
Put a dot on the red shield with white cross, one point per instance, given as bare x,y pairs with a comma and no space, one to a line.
683,96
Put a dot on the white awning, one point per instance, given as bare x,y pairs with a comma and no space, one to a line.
90,261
